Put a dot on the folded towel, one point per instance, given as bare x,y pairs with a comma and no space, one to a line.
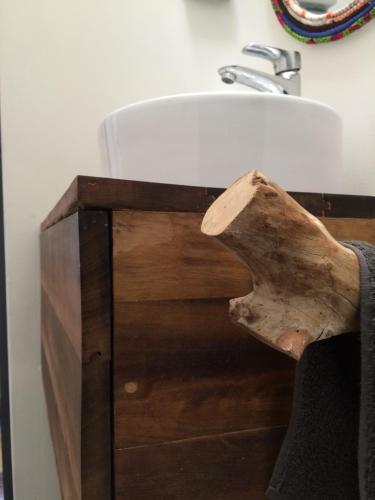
329,449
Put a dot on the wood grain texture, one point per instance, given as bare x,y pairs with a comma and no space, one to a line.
351,229
114,194
227,467
184,376
161,256
62,375
76,352
193,373
178,361
103,193
164,256
67,456
349,206
61,280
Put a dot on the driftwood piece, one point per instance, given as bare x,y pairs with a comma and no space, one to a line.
305,283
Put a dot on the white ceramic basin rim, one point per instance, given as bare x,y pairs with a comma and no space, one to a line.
210,139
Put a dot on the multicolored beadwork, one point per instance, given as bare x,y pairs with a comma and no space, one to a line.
332,16
327,33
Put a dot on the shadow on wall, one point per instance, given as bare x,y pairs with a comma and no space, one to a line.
200,15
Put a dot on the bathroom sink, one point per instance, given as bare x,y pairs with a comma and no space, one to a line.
210,139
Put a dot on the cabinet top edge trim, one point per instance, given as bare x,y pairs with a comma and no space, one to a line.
101,193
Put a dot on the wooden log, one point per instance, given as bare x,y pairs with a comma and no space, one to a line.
305,283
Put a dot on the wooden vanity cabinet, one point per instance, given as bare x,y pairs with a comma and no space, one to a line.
152,393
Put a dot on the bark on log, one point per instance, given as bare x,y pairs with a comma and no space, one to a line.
305,283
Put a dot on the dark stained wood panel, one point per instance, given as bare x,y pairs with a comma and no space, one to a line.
96,428
67,466
174,344
96,285
192,373
227,467
96,299
60,362
76,352
164,256
116,194
349,206
351,229
61,280
185,379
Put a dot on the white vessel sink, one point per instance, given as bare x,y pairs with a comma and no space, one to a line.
210,139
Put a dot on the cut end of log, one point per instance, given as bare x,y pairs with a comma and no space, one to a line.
232,202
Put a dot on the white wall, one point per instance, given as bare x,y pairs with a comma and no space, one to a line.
64,66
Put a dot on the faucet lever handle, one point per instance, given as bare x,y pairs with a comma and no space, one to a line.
282,60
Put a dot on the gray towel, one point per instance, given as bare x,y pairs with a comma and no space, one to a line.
329,449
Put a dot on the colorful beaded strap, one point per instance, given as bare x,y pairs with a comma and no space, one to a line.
342,30
332,16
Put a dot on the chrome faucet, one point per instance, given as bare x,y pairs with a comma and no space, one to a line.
286,65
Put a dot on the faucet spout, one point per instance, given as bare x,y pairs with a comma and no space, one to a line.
263,82
251,78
